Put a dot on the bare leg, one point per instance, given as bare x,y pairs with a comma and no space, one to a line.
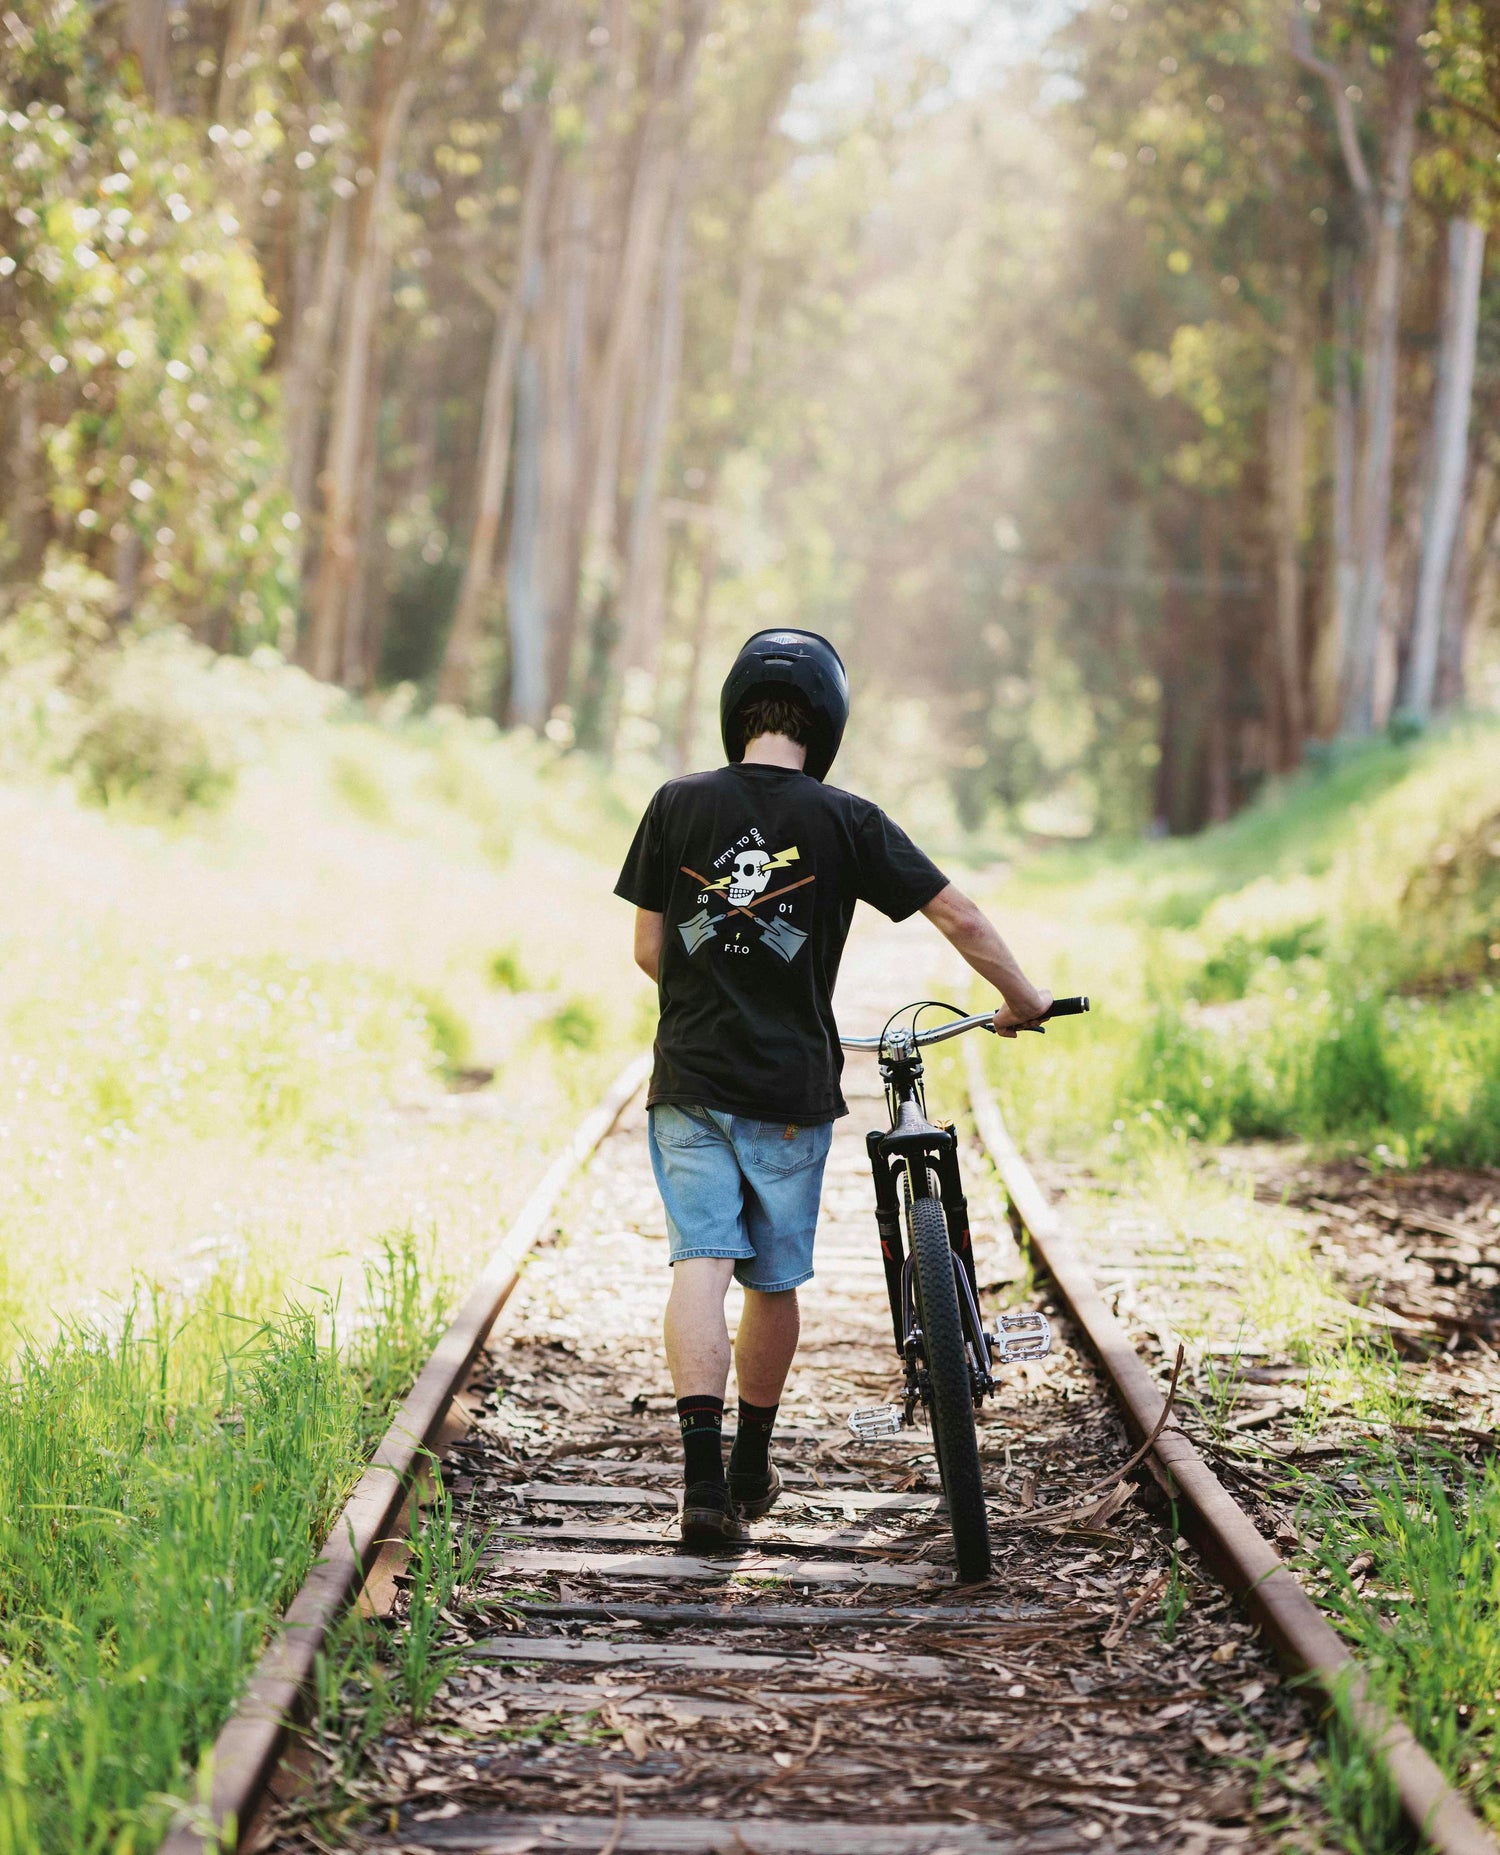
765,1344
696,1334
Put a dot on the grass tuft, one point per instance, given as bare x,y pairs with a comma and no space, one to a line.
506,971
576,1025
148,1543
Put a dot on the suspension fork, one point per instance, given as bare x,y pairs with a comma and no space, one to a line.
956,1211
888,1223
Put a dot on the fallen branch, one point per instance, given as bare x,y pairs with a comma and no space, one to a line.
1090,1503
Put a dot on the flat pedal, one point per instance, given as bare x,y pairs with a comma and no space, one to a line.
1020,1336
875,1422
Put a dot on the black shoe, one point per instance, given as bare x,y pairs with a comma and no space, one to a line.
755,1495
709,1518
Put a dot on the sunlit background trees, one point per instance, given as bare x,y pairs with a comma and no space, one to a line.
1115,384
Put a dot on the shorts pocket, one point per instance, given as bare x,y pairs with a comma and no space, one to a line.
682,1127
783,1147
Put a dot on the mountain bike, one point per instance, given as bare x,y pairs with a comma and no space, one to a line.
949,1359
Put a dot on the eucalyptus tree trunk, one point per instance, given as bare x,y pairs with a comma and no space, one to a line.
28,495
243,23
1381,356
1342,573
741,353
360,641
525,597
1218,769
1473,592
146,36
687,715
456,679
564,350
392,87
1291,391
1361,598
643,594
585,287
1452,400
311,343
656,177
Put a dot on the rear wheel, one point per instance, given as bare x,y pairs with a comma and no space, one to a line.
952,1393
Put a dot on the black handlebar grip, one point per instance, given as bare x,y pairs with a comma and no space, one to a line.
1067,1007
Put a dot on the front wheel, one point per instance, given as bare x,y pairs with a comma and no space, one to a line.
952,1394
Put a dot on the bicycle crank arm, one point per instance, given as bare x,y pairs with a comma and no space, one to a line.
1018,1337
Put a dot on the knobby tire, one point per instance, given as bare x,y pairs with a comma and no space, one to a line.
953,1429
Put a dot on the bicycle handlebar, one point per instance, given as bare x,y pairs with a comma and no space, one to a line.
982,1020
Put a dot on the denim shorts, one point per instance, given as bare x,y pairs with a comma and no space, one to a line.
741,1189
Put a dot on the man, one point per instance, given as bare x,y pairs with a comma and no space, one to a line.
744,882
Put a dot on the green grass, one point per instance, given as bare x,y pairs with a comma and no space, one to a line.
1323,968
223,1037
506,971
1425,1618
577,1024
357,780
166,1490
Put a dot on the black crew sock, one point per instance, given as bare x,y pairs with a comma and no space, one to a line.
702,1420
751,1454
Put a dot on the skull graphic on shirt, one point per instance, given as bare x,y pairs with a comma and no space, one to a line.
750,876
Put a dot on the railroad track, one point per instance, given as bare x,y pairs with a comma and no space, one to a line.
830,1690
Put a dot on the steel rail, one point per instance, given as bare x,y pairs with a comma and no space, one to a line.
1250,1568
247,1750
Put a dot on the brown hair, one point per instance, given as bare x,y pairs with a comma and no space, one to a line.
788,715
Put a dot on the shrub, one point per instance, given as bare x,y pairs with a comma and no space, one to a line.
148,1543
575,1025
1211,1085
1350,1082
148,737
1231,969
357,781
144,715
452,1039
481,779
505,971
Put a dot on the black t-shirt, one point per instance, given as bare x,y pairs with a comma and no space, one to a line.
757,870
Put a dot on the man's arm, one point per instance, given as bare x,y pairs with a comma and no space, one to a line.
648,936
959,921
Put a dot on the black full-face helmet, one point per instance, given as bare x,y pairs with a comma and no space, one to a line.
773,662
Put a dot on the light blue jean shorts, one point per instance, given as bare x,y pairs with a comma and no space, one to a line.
740,1189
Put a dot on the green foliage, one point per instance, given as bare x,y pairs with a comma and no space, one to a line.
145,735
477,782
278,1048
1227,972
575,1025
135,318
442,1562
506,972
356,779
148,718
148,1543
452,1038
1426,1621
1317,969
1408,1080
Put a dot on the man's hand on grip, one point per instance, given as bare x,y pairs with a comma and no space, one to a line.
1008,1020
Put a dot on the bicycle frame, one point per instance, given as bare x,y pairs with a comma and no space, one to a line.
914,1151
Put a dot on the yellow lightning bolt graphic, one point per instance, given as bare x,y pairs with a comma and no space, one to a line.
778,862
